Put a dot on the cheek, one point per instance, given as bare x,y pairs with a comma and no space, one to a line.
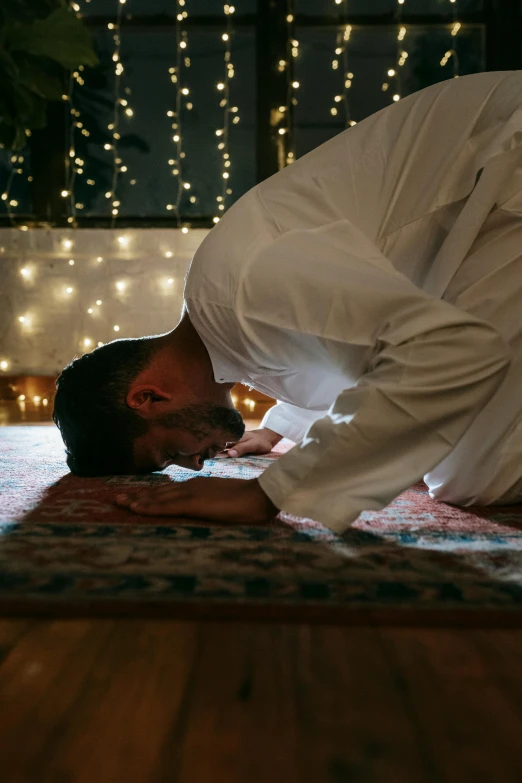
184,443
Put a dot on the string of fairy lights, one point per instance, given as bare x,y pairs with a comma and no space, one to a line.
452,53
114,126
340,65
394,73
15,160
282,115
182,93
223,132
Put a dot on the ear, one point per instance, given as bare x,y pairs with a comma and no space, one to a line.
145,397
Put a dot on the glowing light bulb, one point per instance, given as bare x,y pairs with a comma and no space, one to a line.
21,397
21,319
120,285
116,328
25,272
67,244
37,400
4,365
98,302
71,262
69,290
128,111
184,230
87,342
186,185
123,241
169,254
65,193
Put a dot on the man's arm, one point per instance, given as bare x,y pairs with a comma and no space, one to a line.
290,421
432,369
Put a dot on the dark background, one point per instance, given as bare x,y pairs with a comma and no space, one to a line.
489,40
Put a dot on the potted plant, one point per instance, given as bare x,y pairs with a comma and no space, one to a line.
40,42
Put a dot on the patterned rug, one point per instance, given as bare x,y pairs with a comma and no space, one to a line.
67,549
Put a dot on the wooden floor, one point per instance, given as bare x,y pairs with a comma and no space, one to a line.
129,701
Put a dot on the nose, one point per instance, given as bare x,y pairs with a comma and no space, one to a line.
192,462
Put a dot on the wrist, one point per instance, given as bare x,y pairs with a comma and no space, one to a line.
273,437
270,508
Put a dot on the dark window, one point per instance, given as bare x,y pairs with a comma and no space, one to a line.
141,179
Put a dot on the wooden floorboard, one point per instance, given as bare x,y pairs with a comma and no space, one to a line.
203,702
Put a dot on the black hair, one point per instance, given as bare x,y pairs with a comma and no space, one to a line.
97,426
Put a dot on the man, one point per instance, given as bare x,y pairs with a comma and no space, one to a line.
373,288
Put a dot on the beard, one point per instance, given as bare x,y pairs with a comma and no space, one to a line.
203,420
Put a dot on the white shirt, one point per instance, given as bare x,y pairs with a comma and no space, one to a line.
322,287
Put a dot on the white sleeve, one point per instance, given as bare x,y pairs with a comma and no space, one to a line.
290,421
432,369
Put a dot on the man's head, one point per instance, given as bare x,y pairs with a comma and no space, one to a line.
138,405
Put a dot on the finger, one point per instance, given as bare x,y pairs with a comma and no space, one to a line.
243,447
155,509
124,500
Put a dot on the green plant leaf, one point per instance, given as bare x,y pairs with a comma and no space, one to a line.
61,37
43,84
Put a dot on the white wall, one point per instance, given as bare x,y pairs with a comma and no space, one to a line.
35,274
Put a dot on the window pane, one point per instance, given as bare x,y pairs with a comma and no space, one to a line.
15,190
370,54
151,7
376,7
146,145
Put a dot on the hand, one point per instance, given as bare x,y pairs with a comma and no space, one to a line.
260,441
219,499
